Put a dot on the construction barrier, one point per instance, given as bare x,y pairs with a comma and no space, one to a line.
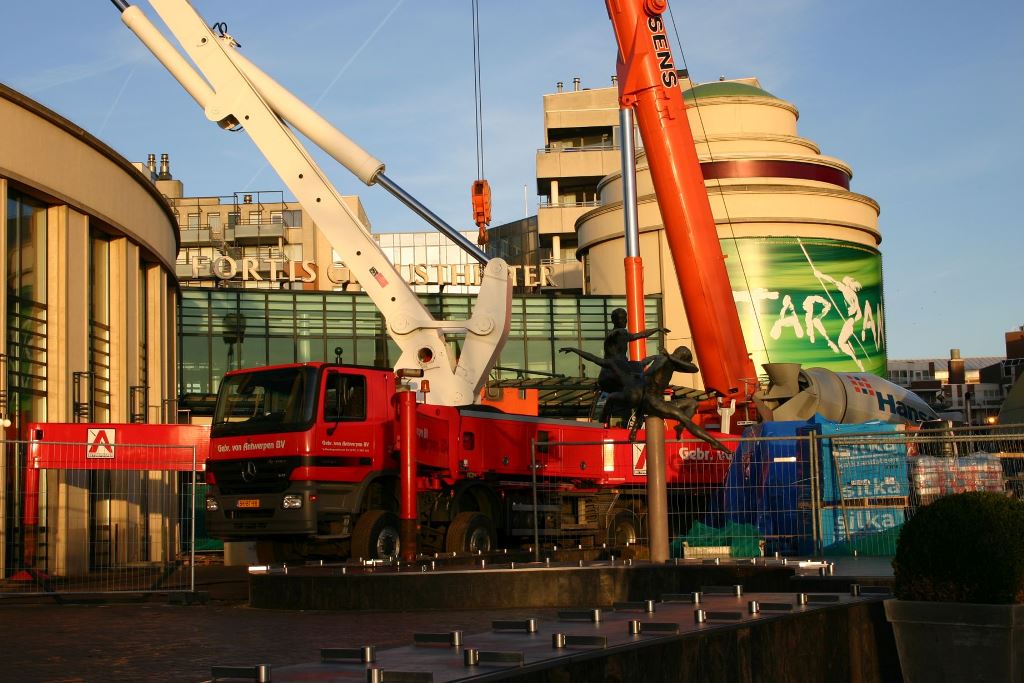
792,489
98,516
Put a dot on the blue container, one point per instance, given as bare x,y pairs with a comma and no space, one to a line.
858,471
761,476
762,487
869,530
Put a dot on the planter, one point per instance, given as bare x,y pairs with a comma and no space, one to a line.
947,641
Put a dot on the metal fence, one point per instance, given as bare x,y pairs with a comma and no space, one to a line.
97,517
792,489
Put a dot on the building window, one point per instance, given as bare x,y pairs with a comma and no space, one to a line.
286,327
277,217
193,220
144,328
99,324
26,308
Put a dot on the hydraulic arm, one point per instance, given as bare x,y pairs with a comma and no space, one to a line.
234,92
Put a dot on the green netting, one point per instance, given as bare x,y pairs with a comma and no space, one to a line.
743,539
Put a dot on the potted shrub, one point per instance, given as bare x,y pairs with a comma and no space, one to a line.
959,571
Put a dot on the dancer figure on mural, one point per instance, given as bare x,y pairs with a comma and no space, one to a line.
645,393
849,287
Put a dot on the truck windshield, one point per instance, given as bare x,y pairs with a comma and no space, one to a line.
265,401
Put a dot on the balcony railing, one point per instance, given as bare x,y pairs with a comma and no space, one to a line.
258,231
551,149
548,204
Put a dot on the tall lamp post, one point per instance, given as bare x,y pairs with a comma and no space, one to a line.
234,333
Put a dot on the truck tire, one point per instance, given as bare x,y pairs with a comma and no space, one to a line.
623,528
470,532
375,536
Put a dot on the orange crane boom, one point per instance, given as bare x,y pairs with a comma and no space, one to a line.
649,83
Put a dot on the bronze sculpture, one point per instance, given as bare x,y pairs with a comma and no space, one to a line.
616,365
644,391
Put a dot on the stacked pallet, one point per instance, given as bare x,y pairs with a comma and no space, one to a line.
934,477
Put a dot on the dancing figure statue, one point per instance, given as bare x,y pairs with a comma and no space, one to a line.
618,365
645,393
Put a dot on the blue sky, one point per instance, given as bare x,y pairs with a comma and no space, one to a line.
923,99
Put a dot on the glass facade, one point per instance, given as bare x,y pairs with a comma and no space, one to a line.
227,329
26,308
516,242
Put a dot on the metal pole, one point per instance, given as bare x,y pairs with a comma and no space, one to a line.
838,479
657,493
533,475
432,218
192,552
628,157
812,457
30,515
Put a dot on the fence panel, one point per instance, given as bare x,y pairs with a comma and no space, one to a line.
761,506
799,489
97,517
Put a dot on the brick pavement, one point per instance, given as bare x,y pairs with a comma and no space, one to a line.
43,642
156,641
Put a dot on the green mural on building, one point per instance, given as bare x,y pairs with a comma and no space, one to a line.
812,301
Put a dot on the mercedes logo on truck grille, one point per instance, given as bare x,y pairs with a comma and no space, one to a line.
249,471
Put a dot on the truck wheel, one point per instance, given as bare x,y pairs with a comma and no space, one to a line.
375,536
470,532
623,529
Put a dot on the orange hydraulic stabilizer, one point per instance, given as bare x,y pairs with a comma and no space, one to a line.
481,208
635,305
648,82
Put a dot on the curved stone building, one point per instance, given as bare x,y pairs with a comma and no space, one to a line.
801,248
90,292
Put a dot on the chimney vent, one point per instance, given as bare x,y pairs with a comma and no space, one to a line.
559,86
165,168
955,366
576,84
151,163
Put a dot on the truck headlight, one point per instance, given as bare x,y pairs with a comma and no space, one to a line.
211,505
291,502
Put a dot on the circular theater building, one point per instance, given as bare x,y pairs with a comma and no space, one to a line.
90,301
801,249
90,311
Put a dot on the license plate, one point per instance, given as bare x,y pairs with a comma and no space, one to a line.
249,503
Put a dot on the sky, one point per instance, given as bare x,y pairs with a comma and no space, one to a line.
925,100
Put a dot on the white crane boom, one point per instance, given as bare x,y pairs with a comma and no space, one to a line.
233,91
